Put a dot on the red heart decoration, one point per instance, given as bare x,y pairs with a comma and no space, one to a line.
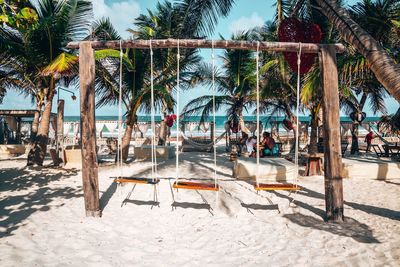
294,30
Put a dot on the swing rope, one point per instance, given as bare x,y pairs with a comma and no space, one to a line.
272,187
214,119
153,124
121,179
194,185
119,147
177,111
258,114
296,156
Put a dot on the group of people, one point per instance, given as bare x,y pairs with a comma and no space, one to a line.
267,146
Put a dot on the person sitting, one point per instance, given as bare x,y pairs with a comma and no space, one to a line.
368,139
251,146
269,145
242,143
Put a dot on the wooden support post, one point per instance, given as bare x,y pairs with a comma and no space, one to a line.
18,132
88,130
212,130
332,147
60,131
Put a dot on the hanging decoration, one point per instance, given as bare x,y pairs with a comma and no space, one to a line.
358,116
170,119
296,31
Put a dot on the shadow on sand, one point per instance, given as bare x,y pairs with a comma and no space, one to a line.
17,204
351,228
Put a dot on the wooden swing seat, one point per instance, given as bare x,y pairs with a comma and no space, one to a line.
273,187
196,186
136,180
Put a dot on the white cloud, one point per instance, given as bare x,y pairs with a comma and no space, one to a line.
246,23
122,13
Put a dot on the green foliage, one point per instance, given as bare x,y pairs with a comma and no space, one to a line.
37,55
18,14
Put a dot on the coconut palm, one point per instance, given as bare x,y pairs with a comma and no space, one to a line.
235,83
390,123
41,50
381,62
377,18
183,19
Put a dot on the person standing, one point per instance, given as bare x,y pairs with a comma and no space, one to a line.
368,138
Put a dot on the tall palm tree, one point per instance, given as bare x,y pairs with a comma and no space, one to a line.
42,51
382,64
376,17
235,84
183,19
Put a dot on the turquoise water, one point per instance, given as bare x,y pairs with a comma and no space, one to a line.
220,120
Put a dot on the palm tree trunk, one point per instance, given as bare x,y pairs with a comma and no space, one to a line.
38,151
384,67
354,139
314,134
126,139
163,131
35,123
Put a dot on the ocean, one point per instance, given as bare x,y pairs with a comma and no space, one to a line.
220,120
108,124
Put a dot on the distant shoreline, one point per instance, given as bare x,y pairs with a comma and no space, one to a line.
218,118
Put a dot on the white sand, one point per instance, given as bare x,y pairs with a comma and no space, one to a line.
42,221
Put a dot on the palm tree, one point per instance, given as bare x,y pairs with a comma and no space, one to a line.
235,84
390,123
380,61
184,19
377,18
42,51
277,81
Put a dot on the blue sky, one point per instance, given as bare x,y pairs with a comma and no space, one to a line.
245,15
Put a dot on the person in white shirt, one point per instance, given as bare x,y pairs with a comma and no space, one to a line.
250,144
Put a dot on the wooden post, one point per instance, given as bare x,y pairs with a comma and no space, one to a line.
18,133
88,130
331,124
212,130
60,131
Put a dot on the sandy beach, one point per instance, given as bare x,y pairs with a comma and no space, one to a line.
43,220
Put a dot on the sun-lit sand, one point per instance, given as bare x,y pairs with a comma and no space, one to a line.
43,223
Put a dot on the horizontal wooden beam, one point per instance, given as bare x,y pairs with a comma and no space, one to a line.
217,44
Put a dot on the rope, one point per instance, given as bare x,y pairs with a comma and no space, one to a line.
214,119
296,156
153,125
178,115
258,113
119,147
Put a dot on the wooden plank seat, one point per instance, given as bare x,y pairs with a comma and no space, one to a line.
195,186
273,187
121,179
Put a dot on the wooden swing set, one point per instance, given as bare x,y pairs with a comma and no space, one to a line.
330,99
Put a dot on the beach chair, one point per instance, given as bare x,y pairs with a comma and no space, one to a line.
378,150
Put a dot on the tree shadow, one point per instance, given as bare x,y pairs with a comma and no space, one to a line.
107,195
382,212
352,228
316,211
20,203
